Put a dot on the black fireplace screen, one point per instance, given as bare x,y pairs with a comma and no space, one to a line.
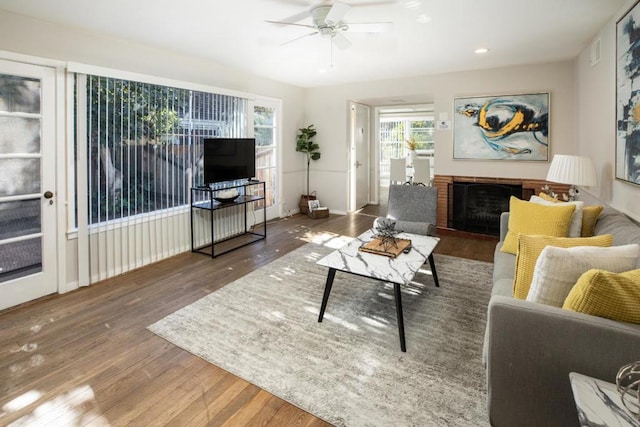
476,207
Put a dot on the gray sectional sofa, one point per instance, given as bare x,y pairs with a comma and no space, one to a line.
530,348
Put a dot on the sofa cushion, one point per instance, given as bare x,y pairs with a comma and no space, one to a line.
529,248
575,226
532,218
558,269
601,293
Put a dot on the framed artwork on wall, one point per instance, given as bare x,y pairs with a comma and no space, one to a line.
505,127
628,96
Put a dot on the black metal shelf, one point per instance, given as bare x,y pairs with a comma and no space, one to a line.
204,198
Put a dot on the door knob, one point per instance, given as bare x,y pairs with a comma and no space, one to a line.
48,194
358,164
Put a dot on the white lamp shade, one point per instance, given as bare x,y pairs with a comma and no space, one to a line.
574,170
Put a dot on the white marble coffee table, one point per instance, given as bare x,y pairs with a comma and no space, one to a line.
599,404
399,271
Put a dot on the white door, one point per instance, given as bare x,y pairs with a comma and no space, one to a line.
28,268
359,155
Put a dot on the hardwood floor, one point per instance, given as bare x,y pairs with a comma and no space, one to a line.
85,358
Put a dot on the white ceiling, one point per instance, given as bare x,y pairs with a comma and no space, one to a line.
234,33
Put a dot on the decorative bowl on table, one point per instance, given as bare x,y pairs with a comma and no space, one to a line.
226,195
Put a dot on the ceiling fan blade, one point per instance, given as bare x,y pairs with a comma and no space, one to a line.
369,27
341,41
297,17
290,23
295,2
376,3
299,38
336,13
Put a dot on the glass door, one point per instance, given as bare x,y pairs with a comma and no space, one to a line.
27,183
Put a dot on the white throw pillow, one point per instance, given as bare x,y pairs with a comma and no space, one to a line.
575,228
558,269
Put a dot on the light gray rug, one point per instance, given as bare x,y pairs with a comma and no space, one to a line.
349,370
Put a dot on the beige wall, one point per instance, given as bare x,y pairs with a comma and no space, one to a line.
326,107
596,121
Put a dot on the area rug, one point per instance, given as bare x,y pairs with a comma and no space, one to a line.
349,370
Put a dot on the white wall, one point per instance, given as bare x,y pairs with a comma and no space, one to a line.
326,107
27,36
596,121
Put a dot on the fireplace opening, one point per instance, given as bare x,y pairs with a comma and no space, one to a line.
476,207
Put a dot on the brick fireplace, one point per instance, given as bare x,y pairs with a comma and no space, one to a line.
473,204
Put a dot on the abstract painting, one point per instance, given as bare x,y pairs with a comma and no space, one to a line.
508,127
628,96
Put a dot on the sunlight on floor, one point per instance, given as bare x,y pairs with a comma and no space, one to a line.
325,238
274,315
372,322
332,318
75,408
21,401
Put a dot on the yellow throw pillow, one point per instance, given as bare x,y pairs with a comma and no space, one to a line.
590,215
529,248
602,293
533,218
548,198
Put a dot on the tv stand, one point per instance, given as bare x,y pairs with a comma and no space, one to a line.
205,198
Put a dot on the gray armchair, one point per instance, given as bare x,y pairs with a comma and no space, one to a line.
413,208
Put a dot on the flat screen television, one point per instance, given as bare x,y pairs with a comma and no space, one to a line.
229,159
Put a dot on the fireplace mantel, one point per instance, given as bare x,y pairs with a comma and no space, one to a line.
529,188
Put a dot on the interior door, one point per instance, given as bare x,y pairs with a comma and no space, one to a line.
27,183
360,143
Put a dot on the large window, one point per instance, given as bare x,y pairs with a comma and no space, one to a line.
145,141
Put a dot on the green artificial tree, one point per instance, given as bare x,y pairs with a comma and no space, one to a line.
304,144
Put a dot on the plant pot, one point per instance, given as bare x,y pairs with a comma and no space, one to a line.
304,202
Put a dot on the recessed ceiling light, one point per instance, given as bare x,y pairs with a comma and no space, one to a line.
481,50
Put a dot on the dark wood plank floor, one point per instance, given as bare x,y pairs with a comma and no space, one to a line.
85,358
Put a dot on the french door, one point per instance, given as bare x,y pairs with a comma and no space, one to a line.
28,265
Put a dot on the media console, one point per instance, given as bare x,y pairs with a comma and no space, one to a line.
207,199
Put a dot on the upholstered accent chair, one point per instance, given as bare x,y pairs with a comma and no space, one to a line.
413,208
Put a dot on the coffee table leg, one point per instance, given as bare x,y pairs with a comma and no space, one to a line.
327,291
396,289
433,270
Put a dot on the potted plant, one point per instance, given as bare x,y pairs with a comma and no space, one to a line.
304,144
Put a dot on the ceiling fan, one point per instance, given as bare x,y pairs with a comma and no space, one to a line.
327,22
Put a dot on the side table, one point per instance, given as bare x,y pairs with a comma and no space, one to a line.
599,403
